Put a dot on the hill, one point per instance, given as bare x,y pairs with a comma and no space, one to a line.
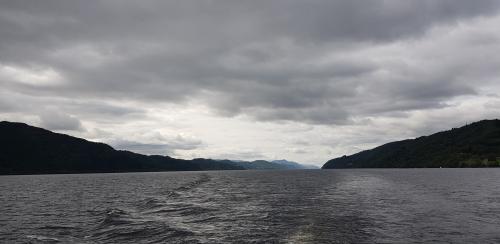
257,164
268,165
294,165
474,145
26,149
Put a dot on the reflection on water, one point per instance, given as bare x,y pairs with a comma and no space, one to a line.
309,206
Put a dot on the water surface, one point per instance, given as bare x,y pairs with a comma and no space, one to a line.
295,206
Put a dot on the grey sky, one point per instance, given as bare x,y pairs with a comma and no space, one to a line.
302,80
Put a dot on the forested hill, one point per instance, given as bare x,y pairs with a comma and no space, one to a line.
474,145
26,149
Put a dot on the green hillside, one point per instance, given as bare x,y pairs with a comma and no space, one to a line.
474,145
26,149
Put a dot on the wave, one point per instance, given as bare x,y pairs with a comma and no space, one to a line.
43,239
120,227
184,210
150,203
115,216
203,178
150,218
57,227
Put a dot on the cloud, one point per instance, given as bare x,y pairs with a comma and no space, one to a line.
53,120
242,154
294,61
33,76
154,143
313,63
298,151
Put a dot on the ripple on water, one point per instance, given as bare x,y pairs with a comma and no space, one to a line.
340,206
119,225
41,239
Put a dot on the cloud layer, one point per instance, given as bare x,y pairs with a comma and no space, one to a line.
117,70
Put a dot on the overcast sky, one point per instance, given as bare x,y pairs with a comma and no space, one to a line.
302,80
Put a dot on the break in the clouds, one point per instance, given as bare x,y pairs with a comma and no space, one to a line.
303,80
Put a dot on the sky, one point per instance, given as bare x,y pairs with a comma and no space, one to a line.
306,81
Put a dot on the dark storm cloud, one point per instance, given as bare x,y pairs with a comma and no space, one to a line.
29,103
271,60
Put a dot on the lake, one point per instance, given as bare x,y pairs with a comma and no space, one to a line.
293,206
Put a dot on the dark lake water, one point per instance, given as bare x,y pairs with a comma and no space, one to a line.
301,206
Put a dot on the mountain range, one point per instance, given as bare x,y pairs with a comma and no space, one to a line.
275,164
26,149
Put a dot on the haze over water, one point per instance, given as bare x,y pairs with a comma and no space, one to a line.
302,206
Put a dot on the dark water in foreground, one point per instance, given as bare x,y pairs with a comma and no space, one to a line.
310,206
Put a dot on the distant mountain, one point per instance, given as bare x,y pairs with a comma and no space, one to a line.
294,165
26,149
474,145
257,164
268,165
